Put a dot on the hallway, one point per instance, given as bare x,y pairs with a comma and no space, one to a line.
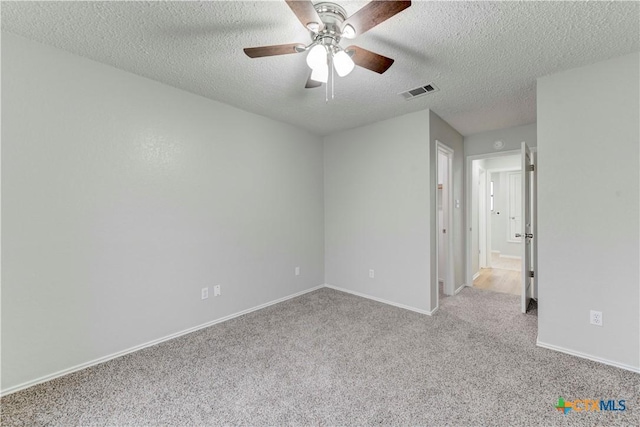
503,276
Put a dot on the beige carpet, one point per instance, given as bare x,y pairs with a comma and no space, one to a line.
330,358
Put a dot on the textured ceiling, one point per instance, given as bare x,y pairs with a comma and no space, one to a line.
484,56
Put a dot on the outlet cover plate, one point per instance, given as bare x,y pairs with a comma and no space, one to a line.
204,294
596,317
216,290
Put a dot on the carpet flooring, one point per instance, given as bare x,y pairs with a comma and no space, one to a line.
331,358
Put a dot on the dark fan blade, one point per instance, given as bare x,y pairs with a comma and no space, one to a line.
370,60
279,49
374,13
306,13
312,83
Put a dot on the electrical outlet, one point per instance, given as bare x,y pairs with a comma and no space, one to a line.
216,290
205,293
596,318
297,271
372,274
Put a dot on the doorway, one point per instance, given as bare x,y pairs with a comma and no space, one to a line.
496,218
444,206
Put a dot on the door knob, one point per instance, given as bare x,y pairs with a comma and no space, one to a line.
527,235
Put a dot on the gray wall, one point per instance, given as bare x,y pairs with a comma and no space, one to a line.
441,131
123,197
505,162
378,210
589,209
482,143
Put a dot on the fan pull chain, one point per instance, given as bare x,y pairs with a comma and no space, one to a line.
333,79
326,85
326,92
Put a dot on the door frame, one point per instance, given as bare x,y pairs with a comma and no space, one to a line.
527,225
449,275
468,213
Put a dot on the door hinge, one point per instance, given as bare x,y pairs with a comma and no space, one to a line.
531,274
531,168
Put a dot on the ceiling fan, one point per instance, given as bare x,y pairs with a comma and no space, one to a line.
328,24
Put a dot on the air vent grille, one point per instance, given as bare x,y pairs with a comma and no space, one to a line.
419,91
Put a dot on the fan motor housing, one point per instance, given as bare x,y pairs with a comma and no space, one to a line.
332,16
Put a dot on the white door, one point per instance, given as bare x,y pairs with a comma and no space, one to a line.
526,225
444,172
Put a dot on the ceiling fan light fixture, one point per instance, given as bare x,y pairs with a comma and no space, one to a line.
317,57
328,24
349,32
320,74
343,63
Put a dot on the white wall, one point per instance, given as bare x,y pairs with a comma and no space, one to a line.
589,209
504,162
123,197
378,210
482,143
439,130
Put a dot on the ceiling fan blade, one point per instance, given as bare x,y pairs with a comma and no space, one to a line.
307,14
279,49
370,60
311,83
374,13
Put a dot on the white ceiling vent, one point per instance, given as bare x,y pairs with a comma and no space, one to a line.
419,91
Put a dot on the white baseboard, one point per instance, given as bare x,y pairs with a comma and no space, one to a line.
510,256
475,276
457,291
100,360
384,301
495,252
588,356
